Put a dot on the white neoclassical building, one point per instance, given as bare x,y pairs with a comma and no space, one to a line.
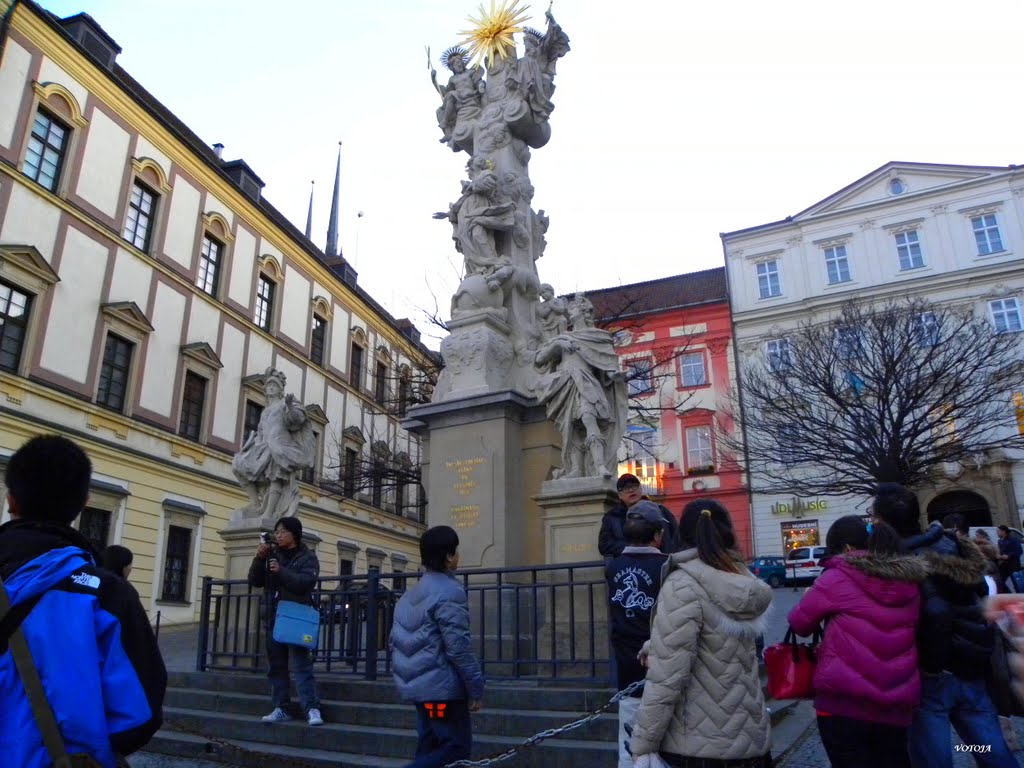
942,232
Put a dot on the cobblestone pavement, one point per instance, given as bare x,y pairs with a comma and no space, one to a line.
808,752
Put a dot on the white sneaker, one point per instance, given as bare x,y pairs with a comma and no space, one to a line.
314,717
277,716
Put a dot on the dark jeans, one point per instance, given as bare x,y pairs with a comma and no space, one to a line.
966,704
442,740
853,743
279,655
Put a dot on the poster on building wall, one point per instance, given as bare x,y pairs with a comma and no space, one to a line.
799,533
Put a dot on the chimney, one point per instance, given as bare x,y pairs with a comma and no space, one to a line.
218,149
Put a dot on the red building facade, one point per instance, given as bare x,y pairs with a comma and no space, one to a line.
674,340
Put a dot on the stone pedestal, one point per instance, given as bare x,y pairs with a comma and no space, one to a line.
572,512
484,458
478,356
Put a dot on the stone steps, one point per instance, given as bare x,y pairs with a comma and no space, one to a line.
492,719
216,717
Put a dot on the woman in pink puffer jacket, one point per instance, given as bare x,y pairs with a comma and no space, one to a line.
866,684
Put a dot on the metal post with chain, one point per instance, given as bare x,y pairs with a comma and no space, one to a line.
235,753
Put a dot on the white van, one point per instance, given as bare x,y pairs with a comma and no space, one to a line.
802,562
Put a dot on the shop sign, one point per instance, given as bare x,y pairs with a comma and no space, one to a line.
797,508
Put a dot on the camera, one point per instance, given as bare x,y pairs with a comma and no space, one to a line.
264,537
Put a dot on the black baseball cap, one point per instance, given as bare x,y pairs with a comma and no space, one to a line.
626,479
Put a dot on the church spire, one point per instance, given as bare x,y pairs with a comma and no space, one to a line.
332,225
309,216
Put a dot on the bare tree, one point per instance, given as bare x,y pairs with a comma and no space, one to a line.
880,392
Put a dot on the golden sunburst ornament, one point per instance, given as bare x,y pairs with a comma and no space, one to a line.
491,35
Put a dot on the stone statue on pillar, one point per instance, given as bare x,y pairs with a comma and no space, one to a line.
270,462
525,373
585,394
496,112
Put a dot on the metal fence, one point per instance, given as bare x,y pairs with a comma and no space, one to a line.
541,622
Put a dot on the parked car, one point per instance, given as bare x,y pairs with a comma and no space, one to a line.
769,569
802,562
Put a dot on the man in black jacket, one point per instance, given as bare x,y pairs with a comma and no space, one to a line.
634,579
955,642
611,541
288,572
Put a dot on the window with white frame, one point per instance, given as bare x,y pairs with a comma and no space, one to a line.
849,342
639,377
837,265
788,436
265,289
209,265
1006,315
691,369
986,234
699,451
641,447
926,329
14,315
779,353
47,147
138,227
768,282
908,248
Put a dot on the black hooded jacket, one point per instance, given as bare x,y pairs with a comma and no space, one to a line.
953,635
296,580
611,541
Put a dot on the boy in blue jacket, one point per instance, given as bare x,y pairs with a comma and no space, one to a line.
432,657
87,631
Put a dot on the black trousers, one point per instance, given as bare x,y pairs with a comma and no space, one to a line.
853,743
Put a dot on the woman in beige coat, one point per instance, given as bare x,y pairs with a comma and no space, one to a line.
702,704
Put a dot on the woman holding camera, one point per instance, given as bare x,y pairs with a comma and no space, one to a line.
288,571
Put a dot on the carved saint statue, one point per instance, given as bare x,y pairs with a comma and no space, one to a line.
476,217
269,463
585,394
460,99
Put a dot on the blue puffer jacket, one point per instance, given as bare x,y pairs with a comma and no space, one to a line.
91,642
432,655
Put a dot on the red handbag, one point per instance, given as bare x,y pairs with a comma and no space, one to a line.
790,666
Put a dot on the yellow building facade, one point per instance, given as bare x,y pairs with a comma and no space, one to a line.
145,286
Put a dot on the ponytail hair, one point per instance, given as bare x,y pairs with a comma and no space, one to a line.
705,524
883,539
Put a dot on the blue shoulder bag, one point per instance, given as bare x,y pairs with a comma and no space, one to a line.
296,624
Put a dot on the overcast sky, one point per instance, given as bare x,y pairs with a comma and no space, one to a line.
673,122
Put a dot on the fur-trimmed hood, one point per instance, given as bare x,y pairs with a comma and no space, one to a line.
966,568
889,567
